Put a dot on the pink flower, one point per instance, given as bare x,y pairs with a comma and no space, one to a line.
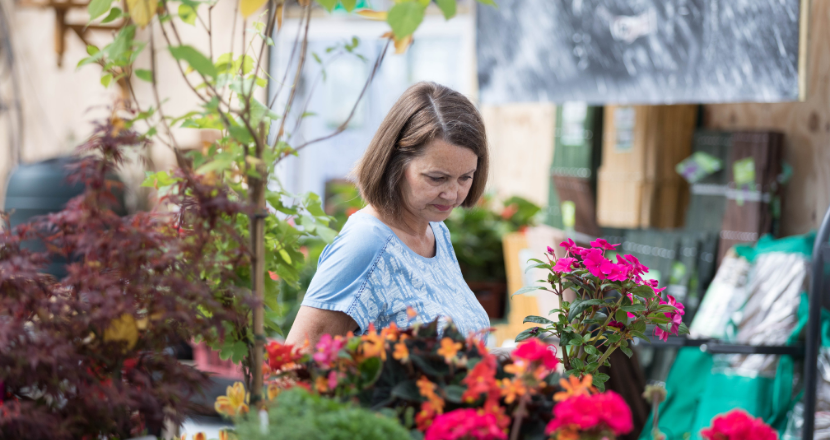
602,244
333,379
598,265
675,318
328,349
636,270
550,250
567,245
619,272
563,264
592,413
465,424
738,425
534,350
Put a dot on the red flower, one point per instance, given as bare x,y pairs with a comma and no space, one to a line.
534,350
481,380
606,411
280,355
465,424
738,425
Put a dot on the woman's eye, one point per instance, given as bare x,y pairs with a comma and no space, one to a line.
466,178
436,179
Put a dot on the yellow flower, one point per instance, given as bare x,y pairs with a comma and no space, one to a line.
123,329
449,349
401,352
512,389
273,391
235,403
574,387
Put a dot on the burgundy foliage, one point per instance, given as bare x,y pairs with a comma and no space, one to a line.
84,357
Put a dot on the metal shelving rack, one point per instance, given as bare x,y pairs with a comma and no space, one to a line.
819,297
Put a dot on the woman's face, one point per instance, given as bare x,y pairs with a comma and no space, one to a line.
438,180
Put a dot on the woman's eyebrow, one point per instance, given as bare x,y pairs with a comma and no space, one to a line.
444,173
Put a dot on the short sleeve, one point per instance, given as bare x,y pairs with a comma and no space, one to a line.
343,269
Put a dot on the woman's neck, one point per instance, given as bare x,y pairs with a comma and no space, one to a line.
407,223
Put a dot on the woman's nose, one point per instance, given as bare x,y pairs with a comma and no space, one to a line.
450,192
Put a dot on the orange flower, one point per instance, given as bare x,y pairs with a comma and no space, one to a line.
199,436
224,435
390,333
512,389
425,416
234,403
411,313
373,344
574,387
517,368
321,384
449,349
567,434
401,352
427,389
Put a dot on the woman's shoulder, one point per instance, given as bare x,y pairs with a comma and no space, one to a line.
362,235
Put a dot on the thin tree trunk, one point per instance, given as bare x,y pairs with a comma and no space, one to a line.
257,195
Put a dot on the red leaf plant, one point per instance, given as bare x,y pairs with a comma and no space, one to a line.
87,357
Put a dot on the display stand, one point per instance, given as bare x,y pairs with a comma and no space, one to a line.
818,297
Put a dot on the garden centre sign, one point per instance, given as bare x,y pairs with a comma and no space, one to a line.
641,52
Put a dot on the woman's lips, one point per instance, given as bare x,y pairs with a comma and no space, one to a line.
443,207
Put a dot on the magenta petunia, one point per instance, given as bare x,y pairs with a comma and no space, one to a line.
602,244
738,425
564,264
598,265
592,413
465,424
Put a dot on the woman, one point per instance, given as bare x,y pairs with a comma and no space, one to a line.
428,156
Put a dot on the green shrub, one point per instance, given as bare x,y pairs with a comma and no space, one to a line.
298,415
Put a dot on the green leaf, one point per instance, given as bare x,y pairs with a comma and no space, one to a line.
537,320
447,7
349,5
590,349
326,233
529,333
599,384
220,162
241,134
240,350
527,289
187,13
627,351
638,326
683,330
621,316
195,59
144,74
114,13
105,80
579,306
97,8
577,363
488,2
454,393
370,370
328,4
285,256
576,339
407,390
658,318
634,308
260,111
405,17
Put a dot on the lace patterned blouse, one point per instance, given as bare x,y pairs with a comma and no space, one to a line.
372,276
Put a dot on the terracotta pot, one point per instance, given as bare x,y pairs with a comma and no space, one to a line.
491,295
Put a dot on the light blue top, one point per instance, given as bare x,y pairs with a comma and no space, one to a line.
372,276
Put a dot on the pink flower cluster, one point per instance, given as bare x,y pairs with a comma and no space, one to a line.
592,412
534,350
328,349
465,424
593,259
675,316
738,425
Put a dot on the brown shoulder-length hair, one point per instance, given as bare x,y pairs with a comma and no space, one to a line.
425,112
